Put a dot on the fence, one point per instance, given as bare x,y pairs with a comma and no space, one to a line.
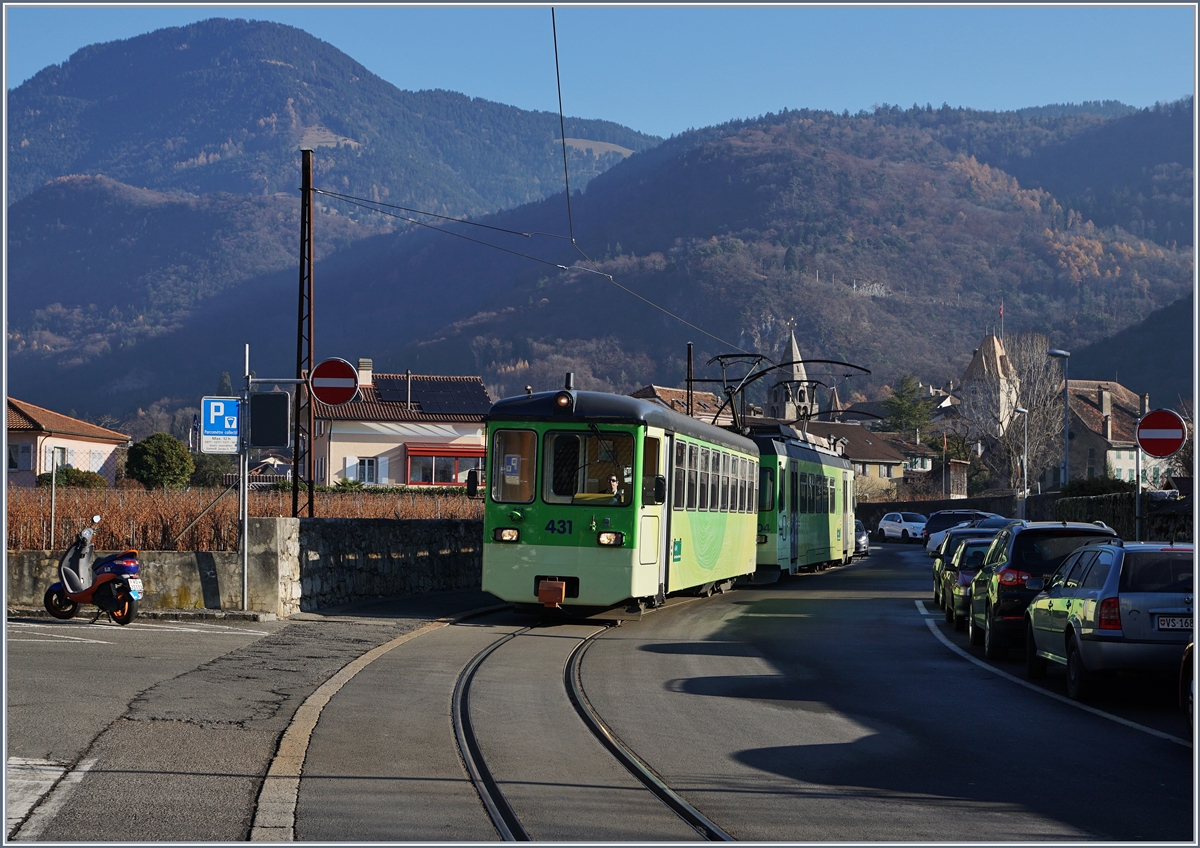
151,520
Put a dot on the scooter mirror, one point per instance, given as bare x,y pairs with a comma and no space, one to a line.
95,519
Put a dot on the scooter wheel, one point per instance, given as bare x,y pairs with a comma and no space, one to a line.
58,605
127,611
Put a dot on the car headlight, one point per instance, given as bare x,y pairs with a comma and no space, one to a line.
506,534
611,538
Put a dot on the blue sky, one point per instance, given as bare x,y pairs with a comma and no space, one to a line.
664,69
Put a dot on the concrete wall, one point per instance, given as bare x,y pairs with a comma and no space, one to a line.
191,580
870,513
294,565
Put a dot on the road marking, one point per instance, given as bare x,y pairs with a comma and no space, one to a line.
27,781
55,637
275,812
942,638
45,811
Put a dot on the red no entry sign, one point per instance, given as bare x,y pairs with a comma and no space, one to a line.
334,382
1161,433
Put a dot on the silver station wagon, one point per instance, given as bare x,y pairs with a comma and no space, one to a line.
1112,606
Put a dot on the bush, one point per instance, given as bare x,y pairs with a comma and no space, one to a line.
1090,486
160,461
210,470
68,476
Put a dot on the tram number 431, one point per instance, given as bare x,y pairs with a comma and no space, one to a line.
559,526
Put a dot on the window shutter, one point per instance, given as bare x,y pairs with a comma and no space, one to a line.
350,469
383,470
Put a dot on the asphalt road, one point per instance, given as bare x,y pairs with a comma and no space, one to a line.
832,706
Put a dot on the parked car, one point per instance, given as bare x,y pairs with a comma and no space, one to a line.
954,537
1110,607
944,519
960,570
1022,550
904,526
1187,689
862,539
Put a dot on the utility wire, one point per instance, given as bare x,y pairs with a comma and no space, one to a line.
562,126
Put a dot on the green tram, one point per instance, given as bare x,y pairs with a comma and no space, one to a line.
593,500
806,502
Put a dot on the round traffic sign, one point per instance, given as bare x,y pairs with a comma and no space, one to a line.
334,382
1161,433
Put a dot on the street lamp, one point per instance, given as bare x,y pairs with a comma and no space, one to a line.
1066,466
1024,455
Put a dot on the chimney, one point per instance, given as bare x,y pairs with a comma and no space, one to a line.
1105,401
364,372
1108,426
1145,403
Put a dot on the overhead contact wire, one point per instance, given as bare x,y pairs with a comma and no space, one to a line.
562,128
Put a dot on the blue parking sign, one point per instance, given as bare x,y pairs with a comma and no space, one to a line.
220,425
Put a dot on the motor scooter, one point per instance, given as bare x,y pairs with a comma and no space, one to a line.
115,586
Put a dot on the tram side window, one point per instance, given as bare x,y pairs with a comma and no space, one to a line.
741,484
693,461
832,495
514,461
752,490
649,468
766,490
782,487
813,495
680,474
804,505
824,495
714,480
702,495
725,482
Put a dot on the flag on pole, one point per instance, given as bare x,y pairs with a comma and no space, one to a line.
943,442
1002,309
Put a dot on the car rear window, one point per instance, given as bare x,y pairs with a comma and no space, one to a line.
913,516
1043,553
937,523
1157,571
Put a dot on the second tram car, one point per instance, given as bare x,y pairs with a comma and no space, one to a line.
595,500
806,502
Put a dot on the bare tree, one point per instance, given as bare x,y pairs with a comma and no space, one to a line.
1038,386
1182,464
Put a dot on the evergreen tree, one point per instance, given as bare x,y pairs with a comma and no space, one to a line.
225,386
790,261
907,411
160,461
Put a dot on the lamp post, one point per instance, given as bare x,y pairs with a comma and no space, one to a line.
1066,466
1024,455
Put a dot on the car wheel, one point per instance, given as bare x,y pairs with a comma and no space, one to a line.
960,622
948,606
974,631
880,535
1080,681
904,536
1035,666
992,649
937,592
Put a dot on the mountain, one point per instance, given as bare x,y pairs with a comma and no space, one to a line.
1156,355
888,239
224,105
148,175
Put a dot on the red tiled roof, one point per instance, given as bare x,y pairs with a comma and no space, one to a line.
1125,409
369,406
704,404
27,417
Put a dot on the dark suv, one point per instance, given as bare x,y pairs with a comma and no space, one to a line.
1021,551
944,518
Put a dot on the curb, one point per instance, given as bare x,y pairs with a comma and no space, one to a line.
165,614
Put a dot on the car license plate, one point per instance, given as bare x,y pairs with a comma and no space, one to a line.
135,583
1175,622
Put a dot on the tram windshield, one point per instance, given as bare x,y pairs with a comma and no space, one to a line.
592,468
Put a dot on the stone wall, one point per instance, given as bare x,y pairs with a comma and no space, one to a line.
1162,521
870,513
346,559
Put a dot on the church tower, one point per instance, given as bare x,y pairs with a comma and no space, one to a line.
791,396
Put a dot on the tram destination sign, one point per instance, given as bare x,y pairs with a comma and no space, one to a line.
1161,433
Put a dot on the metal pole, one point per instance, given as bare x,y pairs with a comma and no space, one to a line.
53,490
689,379
244,480
302,448
1066,421
1137,509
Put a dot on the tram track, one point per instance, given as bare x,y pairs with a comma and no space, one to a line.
501,811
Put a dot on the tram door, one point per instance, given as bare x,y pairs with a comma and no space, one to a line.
654,532
847,518
794,517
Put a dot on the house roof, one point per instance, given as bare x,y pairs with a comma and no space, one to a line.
862,445
1125,409
905,447
435,398
704,404
26,417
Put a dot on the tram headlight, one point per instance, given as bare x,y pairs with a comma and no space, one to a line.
506,534
762,538
611,538
564,403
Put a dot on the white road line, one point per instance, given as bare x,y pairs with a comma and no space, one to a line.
933,628
26,782
45,812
